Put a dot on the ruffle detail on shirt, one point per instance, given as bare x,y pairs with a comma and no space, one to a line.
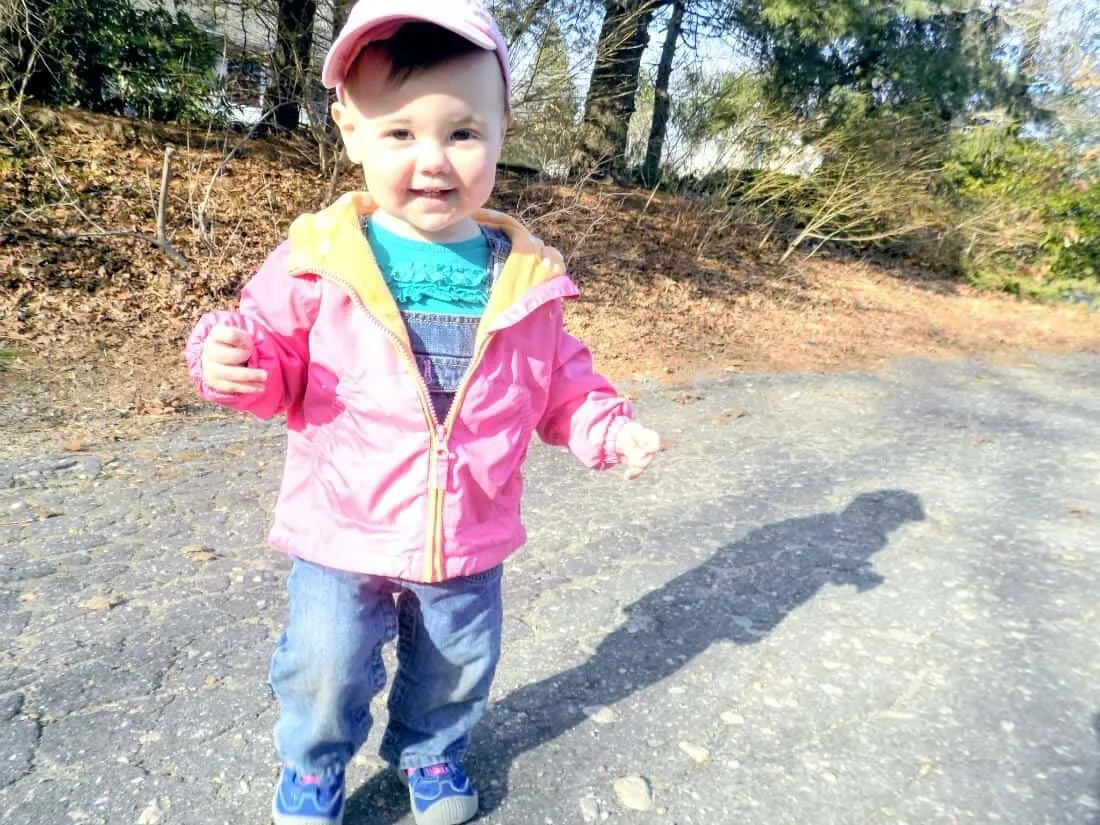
414,282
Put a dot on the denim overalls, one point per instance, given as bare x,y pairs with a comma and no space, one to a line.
328,664
444,344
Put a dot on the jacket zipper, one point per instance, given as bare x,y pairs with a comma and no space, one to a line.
434,562
439,454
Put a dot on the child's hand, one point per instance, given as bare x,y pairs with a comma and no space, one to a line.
637,446
223,352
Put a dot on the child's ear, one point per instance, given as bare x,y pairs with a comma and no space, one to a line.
344,119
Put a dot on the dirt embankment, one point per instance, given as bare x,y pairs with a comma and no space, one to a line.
96,317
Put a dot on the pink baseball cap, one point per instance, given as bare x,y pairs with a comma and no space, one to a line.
373,20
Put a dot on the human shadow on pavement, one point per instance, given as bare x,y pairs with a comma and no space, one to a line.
740,594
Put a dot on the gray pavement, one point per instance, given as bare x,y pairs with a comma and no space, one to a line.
861,598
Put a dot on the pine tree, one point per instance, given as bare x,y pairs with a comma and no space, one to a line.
546,110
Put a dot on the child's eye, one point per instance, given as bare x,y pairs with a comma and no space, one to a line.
399,134
464,134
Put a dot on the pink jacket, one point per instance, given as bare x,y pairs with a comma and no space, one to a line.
372,482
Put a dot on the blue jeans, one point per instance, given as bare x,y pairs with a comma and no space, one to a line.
328,665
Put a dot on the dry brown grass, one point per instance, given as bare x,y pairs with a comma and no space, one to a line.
99,322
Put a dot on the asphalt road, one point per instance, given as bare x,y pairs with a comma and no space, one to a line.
864,598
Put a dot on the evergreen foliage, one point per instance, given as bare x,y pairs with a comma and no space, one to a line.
111,56
546,110
846,58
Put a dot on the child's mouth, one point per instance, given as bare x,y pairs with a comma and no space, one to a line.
432,194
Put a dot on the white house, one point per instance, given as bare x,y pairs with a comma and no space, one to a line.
245,36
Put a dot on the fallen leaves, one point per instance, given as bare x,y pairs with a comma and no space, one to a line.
659,298
199,553
103,603
726,416
688,397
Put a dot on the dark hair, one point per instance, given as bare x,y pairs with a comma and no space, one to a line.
417,47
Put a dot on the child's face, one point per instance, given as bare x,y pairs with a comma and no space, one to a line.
428,144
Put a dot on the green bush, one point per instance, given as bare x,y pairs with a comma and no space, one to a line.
110,56
1028,213
1076,248
1004,211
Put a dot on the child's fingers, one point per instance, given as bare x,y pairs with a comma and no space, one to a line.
231,337
637,463
638,446
644,443
226,351
649,442
227,356
228,345
236,379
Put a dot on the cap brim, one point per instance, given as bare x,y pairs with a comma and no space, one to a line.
350,43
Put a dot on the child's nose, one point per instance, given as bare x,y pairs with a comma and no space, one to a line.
433,159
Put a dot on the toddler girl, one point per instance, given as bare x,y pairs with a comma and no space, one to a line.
414,342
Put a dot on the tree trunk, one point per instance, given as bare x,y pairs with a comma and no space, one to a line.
651,168
293,48
610,101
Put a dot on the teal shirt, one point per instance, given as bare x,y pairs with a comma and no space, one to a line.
451,279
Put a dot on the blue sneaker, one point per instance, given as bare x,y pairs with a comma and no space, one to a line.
308,800
442,795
